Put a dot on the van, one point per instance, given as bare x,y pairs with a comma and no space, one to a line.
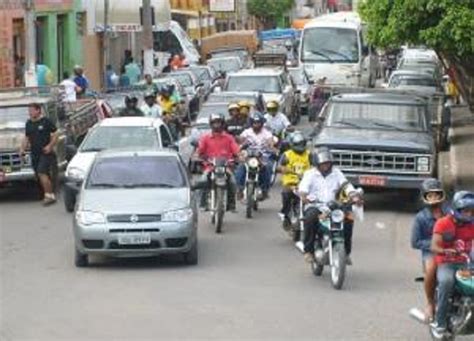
333,46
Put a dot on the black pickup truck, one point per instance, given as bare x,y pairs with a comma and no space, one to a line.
382,140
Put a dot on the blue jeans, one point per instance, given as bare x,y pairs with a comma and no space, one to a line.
265,176
445,277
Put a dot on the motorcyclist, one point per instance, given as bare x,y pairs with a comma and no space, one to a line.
131,102
276,121
450,234
293,163
320,185
165,99
150,108
244,108
237,122
436,207
218,144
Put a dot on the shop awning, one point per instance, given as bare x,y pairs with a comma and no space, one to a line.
124,15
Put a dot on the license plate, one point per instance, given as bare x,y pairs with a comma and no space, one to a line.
372,180
134,239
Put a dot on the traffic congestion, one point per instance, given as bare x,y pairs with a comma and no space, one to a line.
303,165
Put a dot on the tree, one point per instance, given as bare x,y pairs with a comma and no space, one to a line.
268,12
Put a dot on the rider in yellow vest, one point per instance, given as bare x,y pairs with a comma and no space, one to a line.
293,164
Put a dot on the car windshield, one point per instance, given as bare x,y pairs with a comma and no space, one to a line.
401,80
402,117
102,138
137,172
225,64
264,84
184,79
298,77
330,45
13,117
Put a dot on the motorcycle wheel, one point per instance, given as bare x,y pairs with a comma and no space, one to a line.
220,209
317,268
250,200
338,266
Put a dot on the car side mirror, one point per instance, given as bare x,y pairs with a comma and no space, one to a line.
70,151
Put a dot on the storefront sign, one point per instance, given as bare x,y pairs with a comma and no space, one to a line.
221,5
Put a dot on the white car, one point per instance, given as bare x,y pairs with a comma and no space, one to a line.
114,133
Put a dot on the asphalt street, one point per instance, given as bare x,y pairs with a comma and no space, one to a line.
251,283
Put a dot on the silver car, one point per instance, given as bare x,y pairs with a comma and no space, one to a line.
136,204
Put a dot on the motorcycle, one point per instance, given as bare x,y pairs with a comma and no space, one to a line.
252,191
217,194
461,304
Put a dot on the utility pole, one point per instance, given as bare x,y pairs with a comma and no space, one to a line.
148,65
30,60
106,57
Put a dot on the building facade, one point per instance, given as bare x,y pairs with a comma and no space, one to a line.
57,38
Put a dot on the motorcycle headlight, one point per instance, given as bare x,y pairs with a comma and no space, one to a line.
253,163
180,216
90,217
75,173
337,216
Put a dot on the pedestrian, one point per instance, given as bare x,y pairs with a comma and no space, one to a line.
41,137
70,88
81,81
133,71
111,78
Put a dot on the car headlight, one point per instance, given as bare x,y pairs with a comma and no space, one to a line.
423,164
27,160
337,216
182,215
75,173
253,163
90,217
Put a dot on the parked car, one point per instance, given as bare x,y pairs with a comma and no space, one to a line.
226,64
379,140
136,203
254,98
73,120
302,83
272,83
241,52
113,133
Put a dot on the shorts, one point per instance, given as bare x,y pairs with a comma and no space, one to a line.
43,163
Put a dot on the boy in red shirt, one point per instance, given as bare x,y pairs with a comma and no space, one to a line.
453,235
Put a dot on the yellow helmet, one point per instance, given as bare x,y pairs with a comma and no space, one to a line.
233,106
244,104
272,105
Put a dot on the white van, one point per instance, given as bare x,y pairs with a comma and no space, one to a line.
333,46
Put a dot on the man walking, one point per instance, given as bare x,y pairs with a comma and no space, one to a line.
41,136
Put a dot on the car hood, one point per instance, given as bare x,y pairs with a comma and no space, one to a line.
388,140
10,139
136,201
82,161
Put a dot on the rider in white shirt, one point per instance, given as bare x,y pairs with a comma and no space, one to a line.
276,121
150,108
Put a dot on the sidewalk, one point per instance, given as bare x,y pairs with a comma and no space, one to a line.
461,155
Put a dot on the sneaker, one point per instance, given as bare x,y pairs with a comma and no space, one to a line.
438,332
309,257
49,201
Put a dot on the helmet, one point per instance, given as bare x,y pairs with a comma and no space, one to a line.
463,200
233,106
272,105
298,142
131,98
320,155
244,104
257,117
429,186
288,43
216,117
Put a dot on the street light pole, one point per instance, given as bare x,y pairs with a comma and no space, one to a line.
30,58
106,43
147,38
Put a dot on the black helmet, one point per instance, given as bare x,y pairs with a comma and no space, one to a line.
462,200
257,117
216,117
429,186
298,142
320,155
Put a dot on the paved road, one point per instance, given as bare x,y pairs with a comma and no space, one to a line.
251,283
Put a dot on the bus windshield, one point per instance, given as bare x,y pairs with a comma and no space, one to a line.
330,45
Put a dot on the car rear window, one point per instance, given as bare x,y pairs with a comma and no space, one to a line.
137,172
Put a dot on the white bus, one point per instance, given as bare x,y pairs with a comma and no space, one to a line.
333,46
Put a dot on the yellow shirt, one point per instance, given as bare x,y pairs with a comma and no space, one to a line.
166,104
298,164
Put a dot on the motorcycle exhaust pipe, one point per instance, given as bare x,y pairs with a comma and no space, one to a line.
418,315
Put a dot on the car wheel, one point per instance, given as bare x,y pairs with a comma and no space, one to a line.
191,257
69,200
81,260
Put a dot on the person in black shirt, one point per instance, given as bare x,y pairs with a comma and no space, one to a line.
41,137
131,109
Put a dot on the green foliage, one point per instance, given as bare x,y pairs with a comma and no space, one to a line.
269,11
445,25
